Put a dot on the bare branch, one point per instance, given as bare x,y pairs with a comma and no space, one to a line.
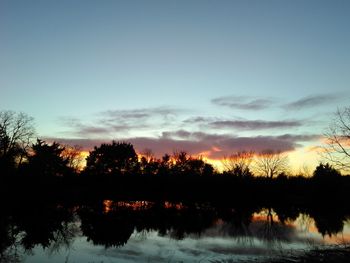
337,148
269,163
16,134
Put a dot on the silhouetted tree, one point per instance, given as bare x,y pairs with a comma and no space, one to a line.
74,157
16,133
115,158
148,163
269,163
196,166
326,171
238,164
337,150
46,159
187,165
165,165
177,162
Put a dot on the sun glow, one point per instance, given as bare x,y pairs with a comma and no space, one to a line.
302,160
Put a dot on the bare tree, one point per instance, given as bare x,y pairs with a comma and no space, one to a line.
238,163
16,134
304,170
148,155
337,149
149,164
180,159
74,157
270,163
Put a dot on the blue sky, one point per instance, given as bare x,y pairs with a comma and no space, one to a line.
166,72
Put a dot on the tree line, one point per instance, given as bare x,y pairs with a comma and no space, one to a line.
20,155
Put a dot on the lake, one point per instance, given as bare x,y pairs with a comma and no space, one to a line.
143,231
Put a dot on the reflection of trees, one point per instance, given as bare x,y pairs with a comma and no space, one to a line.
272,230
115,227
189,220
45,226
28,226
8,233
108,229
111,224
237,222
328,222
286,213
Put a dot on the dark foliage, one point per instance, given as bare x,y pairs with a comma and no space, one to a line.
326,172
47,160
117,158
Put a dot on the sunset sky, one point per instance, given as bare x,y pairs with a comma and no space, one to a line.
208,77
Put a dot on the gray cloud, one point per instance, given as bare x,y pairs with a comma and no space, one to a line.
179,133
78,128
114,121
300,138
214,146
243,102
140,114
256,124
198,120
312,101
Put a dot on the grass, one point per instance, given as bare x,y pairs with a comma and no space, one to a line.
334,254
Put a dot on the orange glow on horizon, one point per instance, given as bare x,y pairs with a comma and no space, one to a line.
307,156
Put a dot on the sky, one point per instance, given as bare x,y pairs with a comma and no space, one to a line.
208,77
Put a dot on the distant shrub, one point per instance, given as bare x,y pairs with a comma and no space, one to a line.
325,171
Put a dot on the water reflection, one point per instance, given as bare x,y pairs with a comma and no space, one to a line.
191,230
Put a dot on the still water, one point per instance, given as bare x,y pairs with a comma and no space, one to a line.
141,231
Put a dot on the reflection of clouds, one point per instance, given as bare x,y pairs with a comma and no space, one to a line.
256,231
213,244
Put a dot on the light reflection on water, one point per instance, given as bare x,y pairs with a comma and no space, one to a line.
143,231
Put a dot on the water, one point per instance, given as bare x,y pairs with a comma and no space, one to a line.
141,231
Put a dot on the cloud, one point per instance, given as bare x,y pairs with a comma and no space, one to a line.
256,124
300,138
140,114
180,134
243,102
242,124
78,128
214,146
113,122
312,101
198,120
